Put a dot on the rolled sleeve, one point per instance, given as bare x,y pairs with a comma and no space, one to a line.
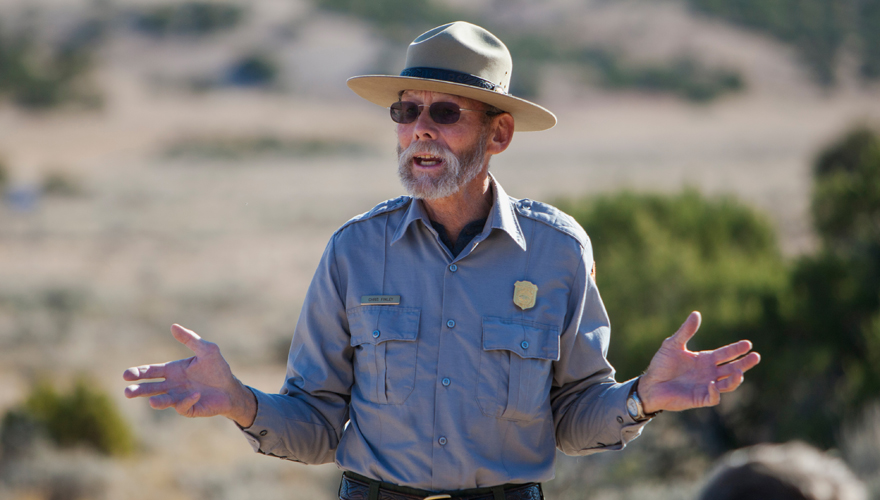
589,406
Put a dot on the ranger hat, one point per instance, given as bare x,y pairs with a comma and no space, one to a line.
459,59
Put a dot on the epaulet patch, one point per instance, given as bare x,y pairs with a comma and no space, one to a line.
553,217
384,207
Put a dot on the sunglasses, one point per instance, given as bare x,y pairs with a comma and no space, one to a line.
443,113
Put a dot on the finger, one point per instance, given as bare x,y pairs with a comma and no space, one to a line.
731,351
136,373
148,389
161,401
687,330
189,338
745,363
730,383
185,406
713,397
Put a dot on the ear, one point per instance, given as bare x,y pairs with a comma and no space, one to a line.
502,134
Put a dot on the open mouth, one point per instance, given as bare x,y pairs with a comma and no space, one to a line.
427,160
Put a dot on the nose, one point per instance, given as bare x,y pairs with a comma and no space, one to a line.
424,127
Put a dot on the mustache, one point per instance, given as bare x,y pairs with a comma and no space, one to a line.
406,156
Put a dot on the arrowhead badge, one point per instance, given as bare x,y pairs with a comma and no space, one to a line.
524,294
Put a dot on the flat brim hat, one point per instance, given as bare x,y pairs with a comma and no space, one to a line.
459,59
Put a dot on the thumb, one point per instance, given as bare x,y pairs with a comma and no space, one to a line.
188,338
687,329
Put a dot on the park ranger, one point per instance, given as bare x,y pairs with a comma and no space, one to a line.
453,338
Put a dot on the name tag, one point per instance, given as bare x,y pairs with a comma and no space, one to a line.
380,300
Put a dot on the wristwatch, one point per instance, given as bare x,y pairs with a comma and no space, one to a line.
634,405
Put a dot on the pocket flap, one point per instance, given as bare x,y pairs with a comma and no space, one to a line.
377,324
526,338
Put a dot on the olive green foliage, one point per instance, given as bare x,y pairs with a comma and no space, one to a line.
837,290
818,28
188,18
4,175
660,257
36,75
237,148
816,320
86,415
868,17
401,21
398,20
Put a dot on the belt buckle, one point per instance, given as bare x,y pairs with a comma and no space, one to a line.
437,497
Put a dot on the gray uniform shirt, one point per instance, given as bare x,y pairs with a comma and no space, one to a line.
454,387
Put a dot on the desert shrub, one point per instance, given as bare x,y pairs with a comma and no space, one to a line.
86,415
837,290
237,148
660,257
402,21
37,75
188,18
59,183
253,70
4,176
817,28
399,20
815,320
869,32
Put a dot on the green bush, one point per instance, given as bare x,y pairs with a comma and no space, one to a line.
86,415
660,257
196,18
399,20
817,28
39,77
816,320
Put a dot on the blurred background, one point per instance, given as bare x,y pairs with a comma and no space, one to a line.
187,162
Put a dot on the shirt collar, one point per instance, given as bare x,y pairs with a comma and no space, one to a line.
501,216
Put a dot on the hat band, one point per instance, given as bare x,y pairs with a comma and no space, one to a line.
448,75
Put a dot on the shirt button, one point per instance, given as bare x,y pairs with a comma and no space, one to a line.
453,268
376,334
450,324
446,382
524,345
442,441
264,432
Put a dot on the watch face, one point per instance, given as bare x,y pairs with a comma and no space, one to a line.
632,407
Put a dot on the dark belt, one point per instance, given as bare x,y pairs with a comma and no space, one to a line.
357,487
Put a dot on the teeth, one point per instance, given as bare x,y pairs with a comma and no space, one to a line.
427,160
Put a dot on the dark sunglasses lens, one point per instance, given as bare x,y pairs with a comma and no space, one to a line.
404,112
445,113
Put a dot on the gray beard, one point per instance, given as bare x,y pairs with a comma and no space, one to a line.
458,171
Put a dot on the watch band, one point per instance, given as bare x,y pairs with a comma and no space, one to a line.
634,402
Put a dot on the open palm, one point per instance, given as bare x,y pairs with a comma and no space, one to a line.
199,386
678,379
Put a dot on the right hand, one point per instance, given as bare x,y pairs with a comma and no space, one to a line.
199,386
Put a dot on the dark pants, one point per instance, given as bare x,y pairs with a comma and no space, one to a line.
357,487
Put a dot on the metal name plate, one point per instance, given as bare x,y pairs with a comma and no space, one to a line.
380,300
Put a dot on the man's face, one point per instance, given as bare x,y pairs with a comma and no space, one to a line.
436,160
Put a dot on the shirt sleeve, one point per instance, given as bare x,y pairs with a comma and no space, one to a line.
589,406
304,423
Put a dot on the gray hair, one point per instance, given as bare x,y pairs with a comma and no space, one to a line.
791,471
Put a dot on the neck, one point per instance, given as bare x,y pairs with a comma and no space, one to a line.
472,202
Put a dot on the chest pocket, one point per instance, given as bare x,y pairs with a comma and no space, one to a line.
516,368
384,338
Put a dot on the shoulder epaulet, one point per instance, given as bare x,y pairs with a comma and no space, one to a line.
553,217
384,207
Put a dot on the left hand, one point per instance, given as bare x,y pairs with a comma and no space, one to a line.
678,379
